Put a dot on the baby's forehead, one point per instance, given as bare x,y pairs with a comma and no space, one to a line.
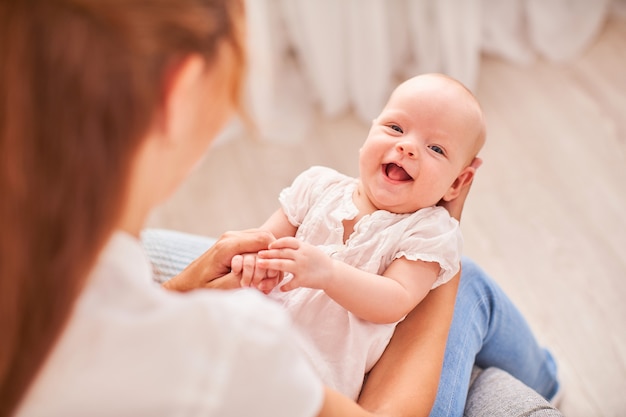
445,103
437,87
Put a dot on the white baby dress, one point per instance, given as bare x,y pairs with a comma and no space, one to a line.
342,347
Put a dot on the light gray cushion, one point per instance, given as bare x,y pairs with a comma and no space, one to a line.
171,251
494,392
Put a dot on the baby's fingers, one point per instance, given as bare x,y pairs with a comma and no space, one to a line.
276,264
285,248
285,243
270,254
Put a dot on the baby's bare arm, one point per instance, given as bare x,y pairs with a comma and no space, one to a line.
380,299
279,225
387,298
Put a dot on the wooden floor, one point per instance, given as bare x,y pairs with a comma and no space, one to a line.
546,217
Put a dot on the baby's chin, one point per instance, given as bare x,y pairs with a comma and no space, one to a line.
393,206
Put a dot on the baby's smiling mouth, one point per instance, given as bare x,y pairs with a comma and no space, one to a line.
395,172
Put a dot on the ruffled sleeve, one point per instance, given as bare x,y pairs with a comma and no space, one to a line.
306,189
434,236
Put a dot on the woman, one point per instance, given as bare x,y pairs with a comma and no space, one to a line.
106,106
104,109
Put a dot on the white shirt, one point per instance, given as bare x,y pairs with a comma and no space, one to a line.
342,346
134,349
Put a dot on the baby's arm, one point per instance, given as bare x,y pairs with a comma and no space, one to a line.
279,225
375,298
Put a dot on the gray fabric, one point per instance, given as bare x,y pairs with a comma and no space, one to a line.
493,392
171,251
496,393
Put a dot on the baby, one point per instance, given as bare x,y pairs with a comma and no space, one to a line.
360,253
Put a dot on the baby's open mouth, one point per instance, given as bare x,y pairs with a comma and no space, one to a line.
396,173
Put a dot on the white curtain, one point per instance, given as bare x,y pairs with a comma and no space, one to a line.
339,55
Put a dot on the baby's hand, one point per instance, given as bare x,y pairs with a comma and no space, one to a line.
251,275
310,266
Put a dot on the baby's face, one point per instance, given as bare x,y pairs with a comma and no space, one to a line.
425,136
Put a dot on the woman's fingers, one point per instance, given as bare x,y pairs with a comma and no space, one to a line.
268,284
248,269
253,273
276,264
291,285
236,264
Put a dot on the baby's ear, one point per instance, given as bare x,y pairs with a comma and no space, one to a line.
465,178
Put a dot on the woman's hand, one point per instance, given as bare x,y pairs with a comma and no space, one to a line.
212,268
252,275
455,207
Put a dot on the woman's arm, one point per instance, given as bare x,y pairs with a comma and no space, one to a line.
337,405
404,382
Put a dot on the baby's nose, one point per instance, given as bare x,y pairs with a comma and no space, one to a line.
407,149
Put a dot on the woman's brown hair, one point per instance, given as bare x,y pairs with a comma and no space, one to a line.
81,81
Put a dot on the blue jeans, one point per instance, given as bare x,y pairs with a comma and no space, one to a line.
489,331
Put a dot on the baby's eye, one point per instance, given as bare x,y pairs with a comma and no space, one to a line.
396,128
437,149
